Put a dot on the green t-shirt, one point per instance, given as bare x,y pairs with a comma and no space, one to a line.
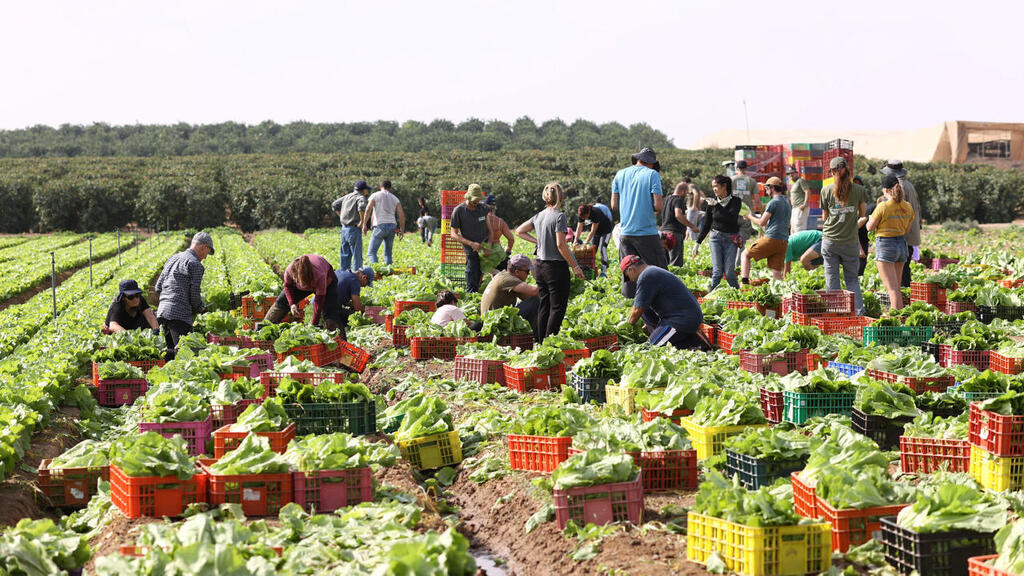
841,224
745,188
800,242
798,193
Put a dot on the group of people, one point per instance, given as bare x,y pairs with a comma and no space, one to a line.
360,212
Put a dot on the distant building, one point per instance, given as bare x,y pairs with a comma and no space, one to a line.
1000,143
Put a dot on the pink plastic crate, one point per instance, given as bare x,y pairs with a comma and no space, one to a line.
600,505
328,490
196,434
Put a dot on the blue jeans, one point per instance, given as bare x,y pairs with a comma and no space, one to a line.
382,233
723,259
351,248
846,256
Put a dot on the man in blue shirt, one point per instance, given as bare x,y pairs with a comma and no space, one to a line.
350,283
772,246
636,194
668,307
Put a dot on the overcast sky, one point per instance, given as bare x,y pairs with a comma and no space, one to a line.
683,67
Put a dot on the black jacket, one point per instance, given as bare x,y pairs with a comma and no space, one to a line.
725,219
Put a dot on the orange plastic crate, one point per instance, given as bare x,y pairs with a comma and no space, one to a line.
710,332
1002,436
725,342
318,354
403,305
258,494
574,356
1005,364
930,293
927,455
852,326
521,341
608,342
537,453
979,566
677,415
919,385
525,380
805,500
852,527
353,357
452,197
69,487
437,347
155,497
224,440
774,312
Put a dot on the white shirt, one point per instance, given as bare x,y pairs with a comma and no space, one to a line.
446,314
384,203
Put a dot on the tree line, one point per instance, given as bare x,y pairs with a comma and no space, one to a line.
294,191
306,137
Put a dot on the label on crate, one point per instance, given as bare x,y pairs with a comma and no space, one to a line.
77,493
983,433
769,313
252,494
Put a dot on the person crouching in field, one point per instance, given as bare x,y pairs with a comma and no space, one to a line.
309,274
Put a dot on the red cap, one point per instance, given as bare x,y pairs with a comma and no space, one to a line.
628,261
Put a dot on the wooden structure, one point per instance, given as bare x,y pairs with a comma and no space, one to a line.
980,142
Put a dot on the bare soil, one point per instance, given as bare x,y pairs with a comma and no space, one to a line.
44,285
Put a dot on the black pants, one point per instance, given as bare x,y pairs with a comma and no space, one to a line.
677,255
528,311
173,331
905,280
331,307
473,272
553,287
649,249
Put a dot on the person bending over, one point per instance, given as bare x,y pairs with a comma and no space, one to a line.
130,311
670,311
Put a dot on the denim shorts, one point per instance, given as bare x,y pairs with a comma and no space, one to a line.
891,249
817,249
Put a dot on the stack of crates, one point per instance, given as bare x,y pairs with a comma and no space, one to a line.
763,161
453,257
808,159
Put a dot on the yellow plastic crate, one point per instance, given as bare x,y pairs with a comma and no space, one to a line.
710,440
623,397
434,451
446,226
995,473
770,551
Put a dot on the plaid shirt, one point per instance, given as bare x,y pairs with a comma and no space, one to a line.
179,287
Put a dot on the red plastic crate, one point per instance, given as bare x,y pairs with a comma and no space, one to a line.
224,440
144,365
521,341
398,337
780,363
600,505
270,380
805,500
257,363
403,305
852,527
479,371
258,494
537,453
524,380
452,197
667,470
69,487
710,332
1002,436
940,263
352,357
328,490
774,312
155,497
257,309
236,341
814,362
852,326
725,341
958,307
677,415
223,414
437,347
374,313
196,434
927,455
574,356
919,385
112,393
772,405
980,359
930,293
1005,364
824,303
979,566
802,319
318,354
608,342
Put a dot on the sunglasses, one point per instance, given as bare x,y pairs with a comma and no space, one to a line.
133,296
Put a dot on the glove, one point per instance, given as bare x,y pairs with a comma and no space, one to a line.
696,248
917,254
295,311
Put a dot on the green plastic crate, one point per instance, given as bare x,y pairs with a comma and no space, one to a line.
798,407
900,335
975,396
356,418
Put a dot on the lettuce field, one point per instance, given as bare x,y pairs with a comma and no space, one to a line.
808,441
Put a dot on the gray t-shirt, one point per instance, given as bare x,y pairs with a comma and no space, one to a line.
384,202
548,223
350,205
472,224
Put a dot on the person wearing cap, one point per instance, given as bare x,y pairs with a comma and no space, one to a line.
350,209
799,192
722,223
775,221
670,312
843,208
130,311
555,260
890,222
499,230
510,288
472,228
180,290
675,222
598,226
804,247
309,274
350,284
913,235
388,218
636,194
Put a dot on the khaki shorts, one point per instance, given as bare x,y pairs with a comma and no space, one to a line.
772,249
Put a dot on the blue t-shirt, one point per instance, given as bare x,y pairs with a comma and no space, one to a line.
778,224
664,293
348,285
636,187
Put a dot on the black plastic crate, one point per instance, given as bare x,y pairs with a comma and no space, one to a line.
936,554
949,326
989,313
884,431
756,472
589,388
932,349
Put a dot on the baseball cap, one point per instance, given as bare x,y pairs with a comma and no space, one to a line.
790,169
491,200
204,238
368,272
631,260
890,181
521,261
773,181
129,287
362,185
837,162
742,164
